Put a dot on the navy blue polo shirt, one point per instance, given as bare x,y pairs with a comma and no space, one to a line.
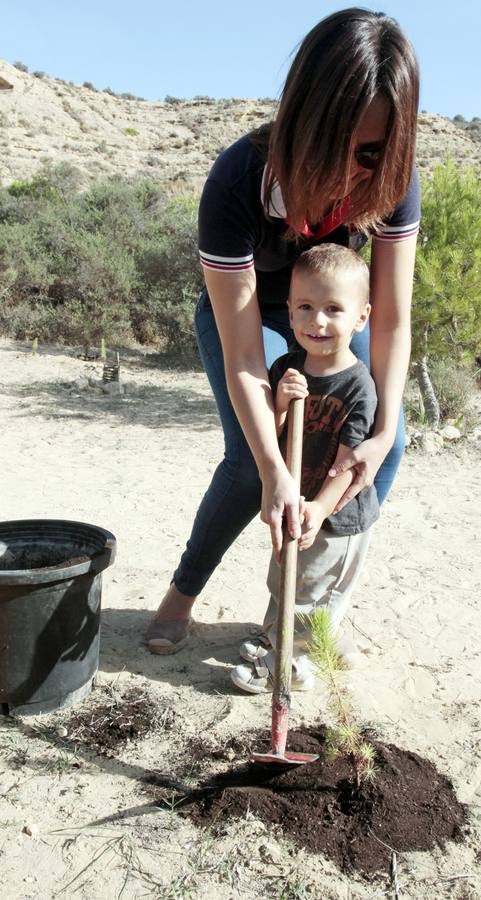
236,233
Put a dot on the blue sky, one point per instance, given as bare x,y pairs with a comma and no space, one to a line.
223,49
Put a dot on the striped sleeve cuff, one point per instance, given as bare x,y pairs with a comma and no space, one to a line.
226,263
396,232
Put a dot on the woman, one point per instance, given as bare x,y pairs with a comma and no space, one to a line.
336,165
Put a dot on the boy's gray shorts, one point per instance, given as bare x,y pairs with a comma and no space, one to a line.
326,576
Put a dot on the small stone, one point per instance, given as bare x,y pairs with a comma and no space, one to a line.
113,388
80,384
450,433
270,852
474,439
414,438
30,829
431,442
62,731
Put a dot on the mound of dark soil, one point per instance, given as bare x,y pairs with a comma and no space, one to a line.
408,806
107,726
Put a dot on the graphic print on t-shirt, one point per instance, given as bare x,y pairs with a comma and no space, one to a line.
324,416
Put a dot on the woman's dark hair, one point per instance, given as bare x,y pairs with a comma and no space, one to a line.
348,60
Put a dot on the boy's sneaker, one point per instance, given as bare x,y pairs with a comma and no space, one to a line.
255,648
257,677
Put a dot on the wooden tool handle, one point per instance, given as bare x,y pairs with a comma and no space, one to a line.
295,429
287,589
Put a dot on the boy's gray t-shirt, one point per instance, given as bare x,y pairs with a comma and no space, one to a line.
340,409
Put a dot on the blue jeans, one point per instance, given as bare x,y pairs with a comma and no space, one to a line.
234,495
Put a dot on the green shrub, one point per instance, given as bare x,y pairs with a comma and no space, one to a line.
51,184
170,318
473,127
26,321
455,387
24,264
171,279
131,132
35,187
117,261
447,285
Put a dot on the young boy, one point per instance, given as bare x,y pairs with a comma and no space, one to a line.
328,302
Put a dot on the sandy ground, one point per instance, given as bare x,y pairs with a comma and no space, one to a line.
137,465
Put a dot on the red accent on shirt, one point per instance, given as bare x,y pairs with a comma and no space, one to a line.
329,223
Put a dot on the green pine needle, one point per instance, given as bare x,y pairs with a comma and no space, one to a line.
323,650
346,737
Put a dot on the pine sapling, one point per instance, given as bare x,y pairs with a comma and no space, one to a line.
345,737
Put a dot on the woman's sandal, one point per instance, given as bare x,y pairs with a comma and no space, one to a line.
165,638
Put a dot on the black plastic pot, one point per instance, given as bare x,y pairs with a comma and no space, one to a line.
50,592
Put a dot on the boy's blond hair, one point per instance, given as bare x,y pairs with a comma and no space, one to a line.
332,258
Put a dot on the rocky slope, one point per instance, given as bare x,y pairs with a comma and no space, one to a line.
173,142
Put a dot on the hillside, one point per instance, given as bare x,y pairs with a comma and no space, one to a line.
173,142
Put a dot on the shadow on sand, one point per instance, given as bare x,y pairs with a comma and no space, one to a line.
172,406
203,664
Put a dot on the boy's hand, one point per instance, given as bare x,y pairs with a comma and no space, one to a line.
292,386
313,516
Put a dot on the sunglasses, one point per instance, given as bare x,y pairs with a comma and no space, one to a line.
368,157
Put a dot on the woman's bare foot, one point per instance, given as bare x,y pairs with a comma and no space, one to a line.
169,630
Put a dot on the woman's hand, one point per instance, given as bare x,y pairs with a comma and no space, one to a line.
364,460
281,501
